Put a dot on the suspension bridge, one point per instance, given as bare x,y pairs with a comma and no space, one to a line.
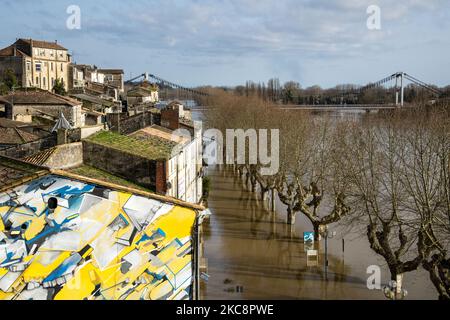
168,89
347,99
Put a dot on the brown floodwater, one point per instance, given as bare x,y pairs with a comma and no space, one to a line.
253,254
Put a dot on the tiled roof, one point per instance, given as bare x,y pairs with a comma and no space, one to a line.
8,123
93,99
14,172
42,44
111,71
15,136
41,157
92,112
139,92
37,96
160,132
9,52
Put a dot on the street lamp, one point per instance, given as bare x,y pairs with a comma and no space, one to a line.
326,234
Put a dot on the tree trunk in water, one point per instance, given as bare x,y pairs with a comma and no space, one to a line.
263,194
290,216
438,278
253,183
316,227
273,200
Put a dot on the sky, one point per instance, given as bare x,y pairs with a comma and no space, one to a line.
227,42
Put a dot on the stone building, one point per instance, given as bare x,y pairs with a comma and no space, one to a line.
183,167
10,137
36,63
89,79
165,158
113,77
142,95
24,104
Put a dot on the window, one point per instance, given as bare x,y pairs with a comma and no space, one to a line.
51,66
28,66
37,81
53,82
62,67
44,82
38,67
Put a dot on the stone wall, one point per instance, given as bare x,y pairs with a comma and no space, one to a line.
66,156
13,63
71,113
126,125
127,166
28,149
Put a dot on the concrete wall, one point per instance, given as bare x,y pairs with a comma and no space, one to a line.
28,149
139,170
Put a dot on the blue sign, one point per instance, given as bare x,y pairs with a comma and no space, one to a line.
308,237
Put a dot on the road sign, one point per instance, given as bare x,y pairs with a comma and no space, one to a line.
308,237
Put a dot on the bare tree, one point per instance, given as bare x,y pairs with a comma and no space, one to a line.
312,183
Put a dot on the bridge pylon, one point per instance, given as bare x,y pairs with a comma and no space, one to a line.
399,89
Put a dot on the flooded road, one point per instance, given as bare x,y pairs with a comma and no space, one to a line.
253,254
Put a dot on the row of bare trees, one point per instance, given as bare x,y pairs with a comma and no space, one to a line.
291,92
389,173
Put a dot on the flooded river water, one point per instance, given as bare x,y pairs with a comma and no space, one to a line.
253,254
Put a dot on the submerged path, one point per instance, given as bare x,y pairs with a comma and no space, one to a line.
252,254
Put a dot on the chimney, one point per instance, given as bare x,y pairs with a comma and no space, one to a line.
170,118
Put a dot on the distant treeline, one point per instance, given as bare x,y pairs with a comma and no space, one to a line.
292,92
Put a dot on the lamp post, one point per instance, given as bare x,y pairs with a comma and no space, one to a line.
326,234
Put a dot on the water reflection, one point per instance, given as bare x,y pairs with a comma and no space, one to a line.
253,254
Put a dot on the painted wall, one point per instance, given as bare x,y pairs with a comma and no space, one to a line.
98,244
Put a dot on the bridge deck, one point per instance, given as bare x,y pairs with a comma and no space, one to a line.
338,107
327,107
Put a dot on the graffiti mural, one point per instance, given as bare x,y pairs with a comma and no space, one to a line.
97,244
